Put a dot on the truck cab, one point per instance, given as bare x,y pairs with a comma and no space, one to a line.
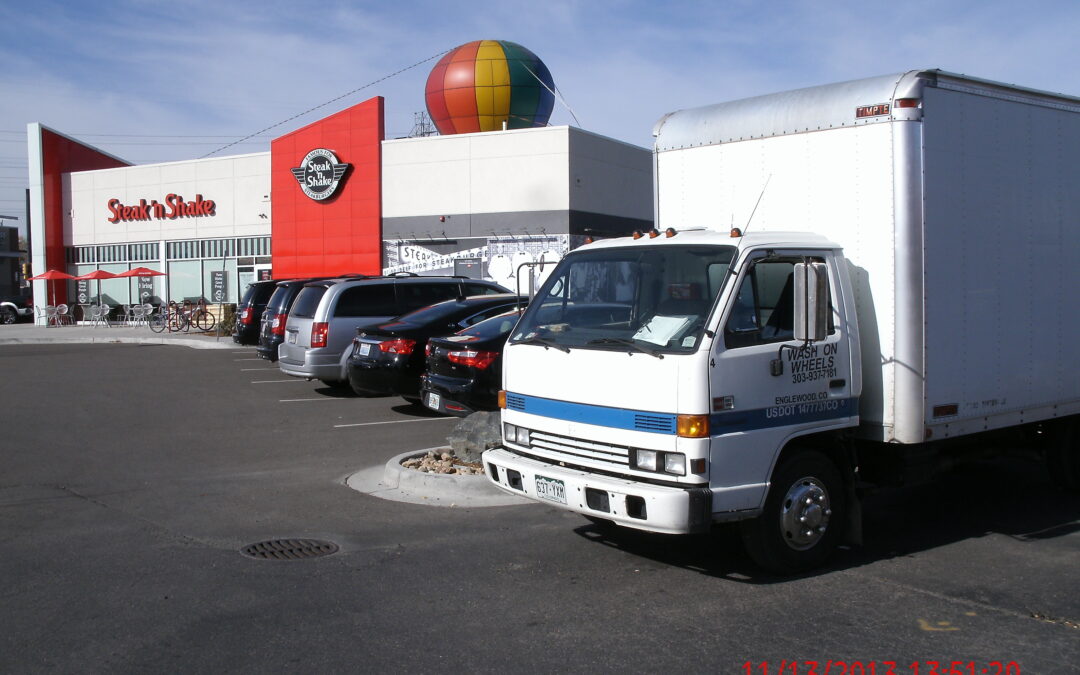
658,382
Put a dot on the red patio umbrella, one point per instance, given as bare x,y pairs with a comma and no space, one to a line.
99,275
141,272
51,275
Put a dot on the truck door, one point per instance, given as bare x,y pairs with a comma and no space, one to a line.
759,404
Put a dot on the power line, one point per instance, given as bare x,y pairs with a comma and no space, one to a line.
323,105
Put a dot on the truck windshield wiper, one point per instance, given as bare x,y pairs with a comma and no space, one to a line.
545,343
627,343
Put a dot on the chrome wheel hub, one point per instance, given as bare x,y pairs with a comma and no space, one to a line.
805,513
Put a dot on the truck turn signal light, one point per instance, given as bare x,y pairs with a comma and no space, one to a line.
692,426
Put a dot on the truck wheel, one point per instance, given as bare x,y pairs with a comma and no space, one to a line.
1063,456
804,516
7,315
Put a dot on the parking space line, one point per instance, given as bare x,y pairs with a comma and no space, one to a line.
247,359
321,398
291,379
368,424
248,370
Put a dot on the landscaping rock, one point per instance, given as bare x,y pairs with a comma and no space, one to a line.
474,434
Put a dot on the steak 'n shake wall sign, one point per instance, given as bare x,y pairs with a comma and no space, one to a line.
174,207
320,174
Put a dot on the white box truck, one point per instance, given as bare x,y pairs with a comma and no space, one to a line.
903,289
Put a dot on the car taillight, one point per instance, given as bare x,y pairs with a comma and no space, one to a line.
277,327
428,349
403,346
473,358
319,329
246,315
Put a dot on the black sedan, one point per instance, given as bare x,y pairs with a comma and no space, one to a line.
389,358
464,370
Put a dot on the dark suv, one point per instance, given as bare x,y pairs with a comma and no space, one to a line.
15,307
250,311
326,314
272,326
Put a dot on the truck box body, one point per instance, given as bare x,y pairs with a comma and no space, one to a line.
956,202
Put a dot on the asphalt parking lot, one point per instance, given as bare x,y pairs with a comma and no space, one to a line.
133,475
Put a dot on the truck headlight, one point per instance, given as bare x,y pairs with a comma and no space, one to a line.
659,462
675,462
515,434
645,460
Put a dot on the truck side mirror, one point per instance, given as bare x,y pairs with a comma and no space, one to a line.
811,301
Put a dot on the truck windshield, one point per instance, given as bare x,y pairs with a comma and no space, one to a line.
655,298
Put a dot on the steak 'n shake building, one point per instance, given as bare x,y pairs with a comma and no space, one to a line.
330,198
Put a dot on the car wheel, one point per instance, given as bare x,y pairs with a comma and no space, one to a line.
8,315
804,516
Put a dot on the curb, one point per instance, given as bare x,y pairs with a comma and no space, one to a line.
192,343
396,483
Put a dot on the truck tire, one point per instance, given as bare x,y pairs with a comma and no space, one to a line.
804,516
1063,455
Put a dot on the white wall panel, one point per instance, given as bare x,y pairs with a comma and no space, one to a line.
239,186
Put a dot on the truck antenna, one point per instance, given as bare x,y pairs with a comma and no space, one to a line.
756,204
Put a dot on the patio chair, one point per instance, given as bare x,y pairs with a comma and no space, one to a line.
51,316
99,315
63,315
127,315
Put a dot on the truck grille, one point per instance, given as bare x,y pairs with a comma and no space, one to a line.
578,451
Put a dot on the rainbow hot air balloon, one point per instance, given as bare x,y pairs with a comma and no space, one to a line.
480,85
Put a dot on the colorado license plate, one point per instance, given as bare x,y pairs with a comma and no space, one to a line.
433,401
365,348
291,338
551,489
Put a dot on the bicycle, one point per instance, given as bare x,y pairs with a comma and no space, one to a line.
201,317
168,316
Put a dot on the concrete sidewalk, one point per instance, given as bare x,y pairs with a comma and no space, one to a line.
28,333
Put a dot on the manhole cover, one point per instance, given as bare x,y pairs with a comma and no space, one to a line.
289,549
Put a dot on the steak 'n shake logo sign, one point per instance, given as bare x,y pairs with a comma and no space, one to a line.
319,174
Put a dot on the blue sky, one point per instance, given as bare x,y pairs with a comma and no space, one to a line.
160,81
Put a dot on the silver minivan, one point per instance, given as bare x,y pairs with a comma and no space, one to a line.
326,314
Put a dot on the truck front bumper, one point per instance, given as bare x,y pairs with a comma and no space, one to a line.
642,506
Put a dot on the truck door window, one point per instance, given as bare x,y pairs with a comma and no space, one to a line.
764,307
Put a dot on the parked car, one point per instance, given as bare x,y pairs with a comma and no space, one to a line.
463,371
250,310
326,315
15,307
389,358
272,324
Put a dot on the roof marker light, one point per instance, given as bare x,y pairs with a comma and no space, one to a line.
654,233
670,232
906,103
736,233
637,234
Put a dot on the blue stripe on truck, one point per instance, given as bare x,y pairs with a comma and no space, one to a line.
617,418
726,422
732,421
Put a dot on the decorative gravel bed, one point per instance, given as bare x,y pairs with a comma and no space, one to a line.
443,460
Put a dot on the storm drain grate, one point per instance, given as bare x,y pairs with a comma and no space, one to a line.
289,549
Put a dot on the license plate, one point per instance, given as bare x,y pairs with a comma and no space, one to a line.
551,489
365,348
291,337
433,401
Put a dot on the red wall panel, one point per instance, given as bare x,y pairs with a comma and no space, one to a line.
60,155
341,234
